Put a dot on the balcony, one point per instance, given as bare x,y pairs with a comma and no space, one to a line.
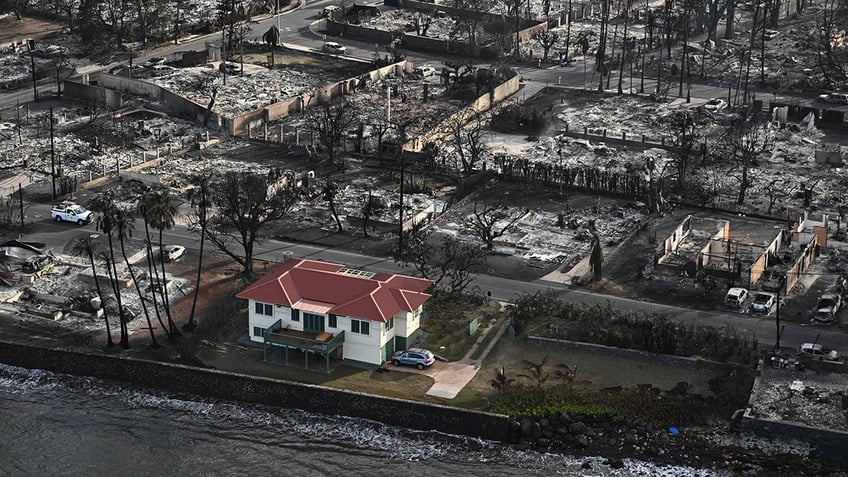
318,343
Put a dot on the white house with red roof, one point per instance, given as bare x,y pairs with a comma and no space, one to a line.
319,307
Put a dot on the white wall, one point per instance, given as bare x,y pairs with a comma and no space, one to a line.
407,323
360,347
262,321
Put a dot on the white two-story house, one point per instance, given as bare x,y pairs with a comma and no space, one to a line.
319,307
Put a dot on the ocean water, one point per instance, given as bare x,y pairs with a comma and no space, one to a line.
54,424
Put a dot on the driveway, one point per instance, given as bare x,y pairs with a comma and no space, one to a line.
451,377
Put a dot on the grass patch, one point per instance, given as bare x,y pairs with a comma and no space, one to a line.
396,384
447,325
491,332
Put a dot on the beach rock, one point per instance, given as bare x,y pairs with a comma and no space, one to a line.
577,428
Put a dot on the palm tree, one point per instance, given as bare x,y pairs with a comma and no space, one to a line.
162,215
200,201
124,228
104,205
144,209
84,246
535,371
272,38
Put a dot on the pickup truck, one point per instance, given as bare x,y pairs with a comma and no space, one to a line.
71,213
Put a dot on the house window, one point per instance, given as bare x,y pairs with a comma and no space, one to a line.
361,327
263,309
332,321
295,315
390,324
258,330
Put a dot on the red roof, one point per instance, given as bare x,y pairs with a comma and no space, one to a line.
371,296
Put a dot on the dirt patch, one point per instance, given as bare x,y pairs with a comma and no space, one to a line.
13,30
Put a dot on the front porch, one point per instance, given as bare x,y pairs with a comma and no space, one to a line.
322,343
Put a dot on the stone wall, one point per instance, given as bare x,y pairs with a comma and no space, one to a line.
823,439
663,359
273,392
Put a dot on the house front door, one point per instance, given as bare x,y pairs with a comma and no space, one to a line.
313,323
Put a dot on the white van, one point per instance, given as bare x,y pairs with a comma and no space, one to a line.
424,71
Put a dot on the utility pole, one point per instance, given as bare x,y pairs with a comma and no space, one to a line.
52,159
21,202
224,54
31,48
781,284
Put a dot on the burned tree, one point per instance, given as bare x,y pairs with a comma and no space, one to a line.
329,121
547,39
466,137
63,67
490,222
272,39
746,139
245,204
329,193
448,262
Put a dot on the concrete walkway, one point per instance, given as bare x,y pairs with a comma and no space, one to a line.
451,377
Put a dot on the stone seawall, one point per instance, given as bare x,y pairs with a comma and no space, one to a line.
273,392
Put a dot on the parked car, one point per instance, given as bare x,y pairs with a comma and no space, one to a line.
735,297
816,351
715,104
827,307
173,252
420,358
70,212
334,48
763,302
154,61
838,98
424,71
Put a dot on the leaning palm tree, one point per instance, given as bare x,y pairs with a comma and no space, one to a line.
104,205
162,214
272,38
199,197
84,246
124,228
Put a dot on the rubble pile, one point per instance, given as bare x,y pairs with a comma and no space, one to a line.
87,145
590,30
563,237
241,94
804,398
443,28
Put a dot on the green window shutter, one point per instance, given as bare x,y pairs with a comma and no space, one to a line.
295,315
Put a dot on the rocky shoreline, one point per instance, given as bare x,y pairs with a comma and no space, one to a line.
719,448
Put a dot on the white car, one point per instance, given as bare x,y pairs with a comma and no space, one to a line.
736,297
763,302
424,71
155,61
715,104
70,212
827,308
334,48
173,252
816,351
